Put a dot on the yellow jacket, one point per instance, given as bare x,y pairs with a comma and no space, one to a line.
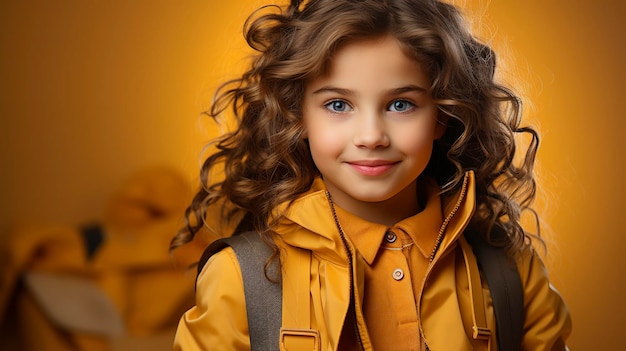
445,308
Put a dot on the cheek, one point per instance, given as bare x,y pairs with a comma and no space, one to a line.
324,141
324,138
415,141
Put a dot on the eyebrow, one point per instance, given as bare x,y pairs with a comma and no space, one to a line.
348,92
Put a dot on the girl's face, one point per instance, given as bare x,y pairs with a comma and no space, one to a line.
371,123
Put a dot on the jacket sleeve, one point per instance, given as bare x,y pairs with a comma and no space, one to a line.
547,322
218,321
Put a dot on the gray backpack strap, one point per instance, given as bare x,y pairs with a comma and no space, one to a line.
507,293
263,297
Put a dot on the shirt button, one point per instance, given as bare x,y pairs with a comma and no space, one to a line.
398,274
390,236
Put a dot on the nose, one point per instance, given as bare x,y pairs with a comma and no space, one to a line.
370,131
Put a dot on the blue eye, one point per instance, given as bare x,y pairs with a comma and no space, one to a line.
338,106
401,106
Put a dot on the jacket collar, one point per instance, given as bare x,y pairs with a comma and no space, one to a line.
308,223
459,209
312,213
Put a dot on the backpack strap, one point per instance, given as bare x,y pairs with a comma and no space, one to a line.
480,329
263,297
296,332
507,293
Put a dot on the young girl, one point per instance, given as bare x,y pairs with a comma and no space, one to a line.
373,141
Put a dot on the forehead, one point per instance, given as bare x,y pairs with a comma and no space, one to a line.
376,61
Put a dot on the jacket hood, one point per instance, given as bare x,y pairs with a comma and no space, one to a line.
308,223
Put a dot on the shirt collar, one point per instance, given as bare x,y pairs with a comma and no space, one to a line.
312,212
423,227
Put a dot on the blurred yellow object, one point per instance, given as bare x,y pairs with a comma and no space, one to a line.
107,286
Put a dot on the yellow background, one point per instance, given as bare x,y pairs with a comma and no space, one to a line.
92,91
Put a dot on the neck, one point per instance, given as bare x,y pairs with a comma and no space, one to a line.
389,212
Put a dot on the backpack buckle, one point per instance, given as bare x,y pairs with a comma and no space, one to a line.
481,333
299,339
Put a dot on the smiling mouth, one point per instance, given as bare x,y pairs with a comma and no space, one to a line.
372,168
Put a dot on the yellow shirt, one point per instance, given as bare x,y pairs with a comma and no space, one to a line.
396,261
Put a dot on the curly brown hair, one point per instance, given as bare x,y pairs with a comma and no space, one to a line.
267,162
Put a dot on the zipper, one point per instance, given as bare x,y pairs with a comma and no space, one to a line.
448,218
438,242
346,246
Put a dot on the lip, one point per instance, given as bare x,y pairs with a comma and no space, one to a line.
372,167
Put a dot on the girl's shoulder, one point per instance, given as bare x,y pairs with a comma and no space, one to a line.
546,313
220,268
529,262
220,305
